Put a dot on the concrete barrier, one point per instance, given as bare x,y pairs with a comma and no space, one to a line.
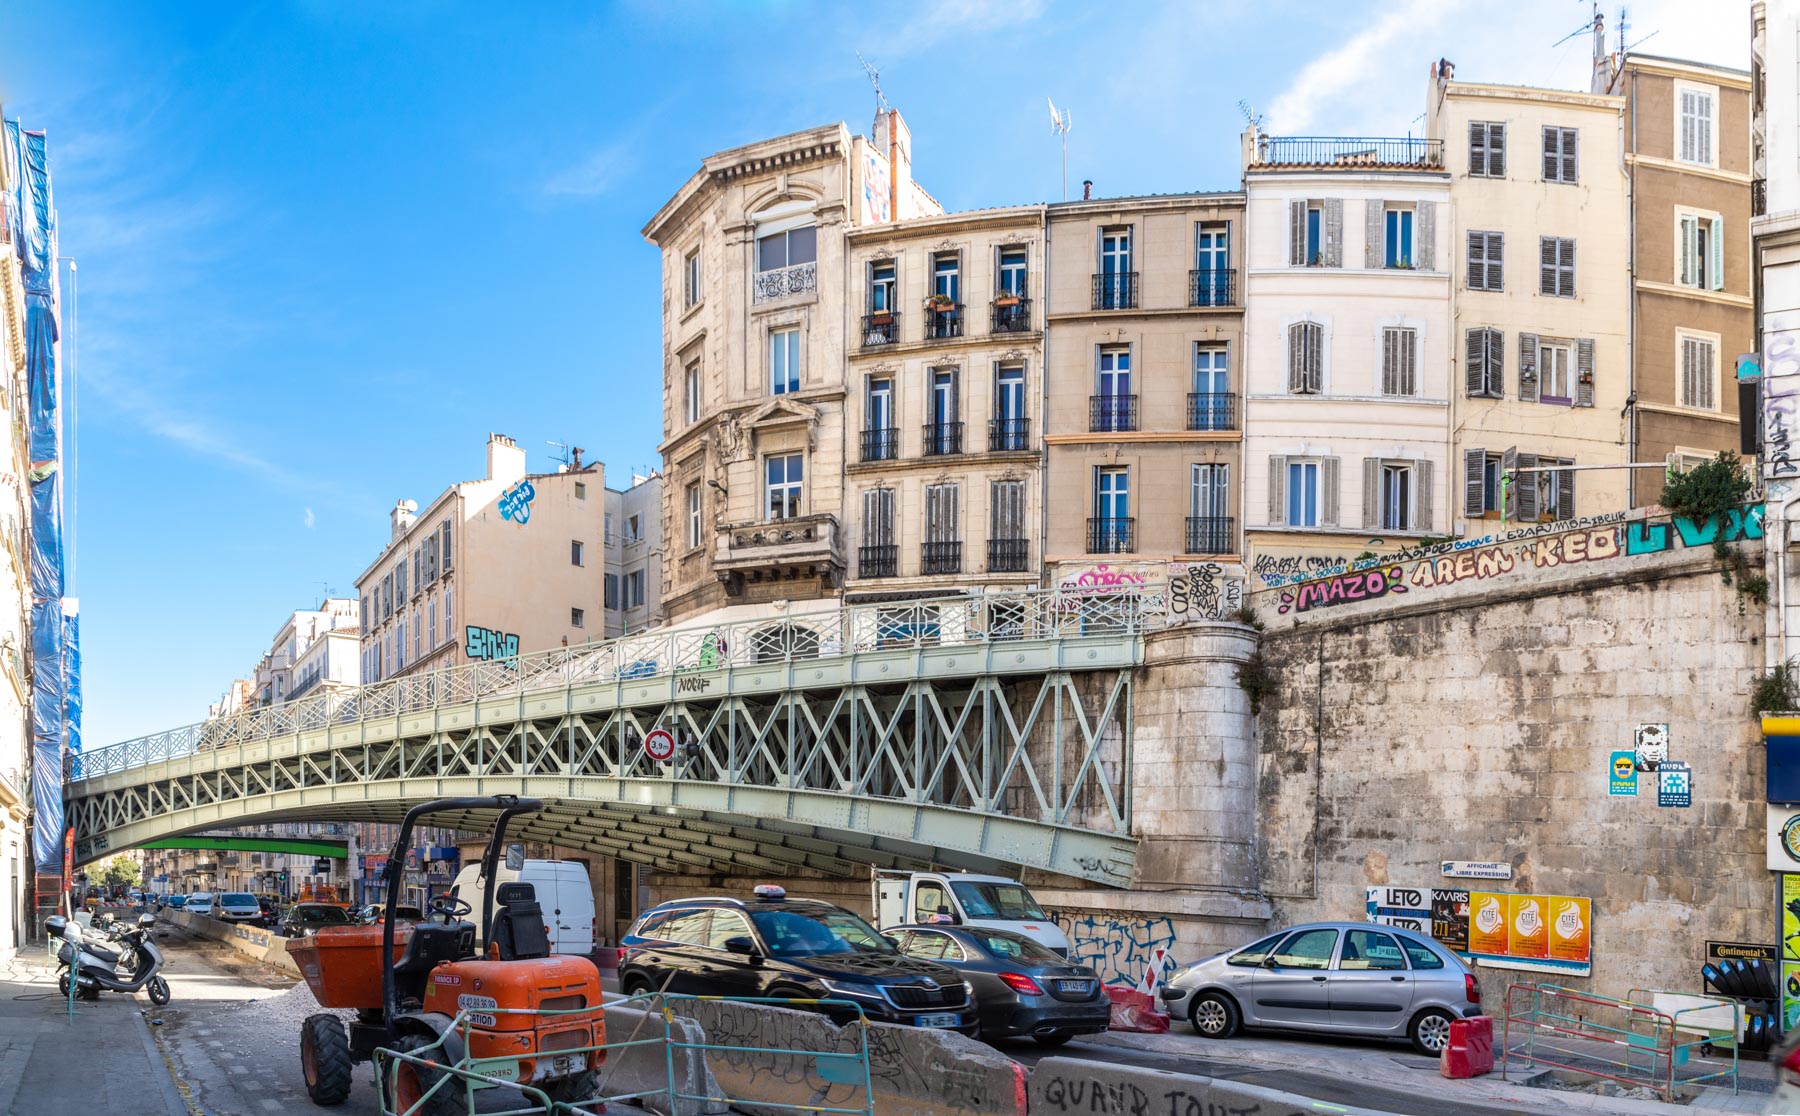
645,1069
252,941
1067,1086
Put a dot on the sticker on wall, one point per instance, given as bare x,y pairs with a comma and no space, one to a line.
1674,784
1624,774
1782,829
1652,745
1475,869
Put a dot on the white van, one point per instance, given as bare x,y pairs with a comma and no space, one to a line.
964,899
560,887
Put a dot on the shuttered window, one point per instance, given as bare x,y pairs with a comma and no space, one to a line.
1399,362
1484,363
878,517
1699,374
1486,252
1306,358
1556,266
1697,127
1006,512
1700,252
1487,149
941,520
1559,154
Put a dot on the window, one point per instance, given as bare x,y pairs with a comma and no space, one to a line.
1315,235
444,547
1303,494
1113,399
1209,509
1212,247
449,621
877,558
1013,278
612,591
784,361
1559,154
400,580
609,528
1315,232
1487,149
577,618
1486,259
690,278
694,534
634,528
1421,955
1115,251
580,494
1555,490
946,276
1009,392
1211,405
1555,374
786,249
881,287
1399,237
1306,949
1253,955
431,627
1698,373
634,589
690,392
1306,358
943,434
1695,127
784,474
575,553
1396,497
1482,486
1399,362
1303,491
1370,951
418,633
727,925
1556,266
1484,363
1112,493
1701,256
1006,518
943,528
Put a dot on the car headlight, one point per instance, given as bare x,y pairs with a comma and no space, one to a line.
838,989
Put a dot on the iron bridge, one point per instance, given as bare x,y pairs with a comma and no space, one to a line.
983,734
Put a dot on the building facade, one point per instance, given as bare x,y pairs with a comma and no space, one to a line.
1348,352
1541,367
310,650
15,590
1143,426
634,550
490,570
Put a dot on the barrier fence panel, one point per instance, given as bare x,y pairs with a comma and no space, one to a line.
1631,1043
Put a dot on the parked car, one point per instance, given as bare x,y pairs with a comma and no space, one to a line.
375,912
1022,986
237,906
201,903
304,919
964,899
1350,977
178,902
799,949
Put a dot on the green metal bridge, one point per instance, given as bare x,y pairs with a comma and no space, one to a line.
979,733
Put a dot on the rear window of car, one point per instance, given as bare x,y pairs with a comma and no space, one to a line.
238,899
321,914
1012,946
1421,955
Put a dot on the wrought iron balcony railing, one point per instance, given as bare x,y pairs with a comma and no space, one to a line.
943,321
1759,197
1009,435
1336,151
1116,291
1212,287
1215,410
881,443
1211,534
880,328
1111,535
784,282
1112,412
941,558
1008,555
1012,314
943,438
878,561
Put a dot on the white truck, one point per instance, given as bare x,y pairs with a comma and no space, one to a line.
963,899
560,887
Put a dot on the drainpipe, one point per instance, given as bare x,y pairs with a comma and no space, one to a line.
1631,408
1044,410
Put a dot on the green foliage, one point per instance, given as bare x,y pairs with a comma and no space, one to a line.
1244,614
120,869
1774,692
1256,680
1707,490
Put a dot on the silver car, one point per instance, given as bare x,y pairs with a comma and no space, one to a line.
1353,977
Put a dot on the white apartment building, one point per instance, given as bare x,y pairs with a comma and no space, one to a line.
303,655
634,549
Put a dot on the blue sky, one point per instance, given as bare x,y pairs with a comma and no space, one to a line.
325,248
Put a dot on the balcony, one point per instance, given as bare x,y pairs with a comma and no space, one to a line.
1212,287
1111,536
1314,152
779,549
1211,534
1116,291
1112,412
943,438
943,320
880,329
1008,555
1759,197
786,282
881,444
1009,435
1212,410
1012,314
878,561
941,558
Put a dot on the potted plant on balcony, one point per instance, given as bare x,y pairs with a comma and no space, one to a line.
940,303
1006,299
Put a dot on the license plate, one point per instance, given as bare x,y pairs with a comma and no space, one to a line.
559,1065
1074,986
941,1019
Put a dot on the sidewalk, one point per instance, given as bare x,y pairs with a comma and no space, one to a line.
103,1061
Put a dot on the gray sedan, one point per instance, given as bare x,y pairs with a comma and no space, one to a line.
1351,977
1022,987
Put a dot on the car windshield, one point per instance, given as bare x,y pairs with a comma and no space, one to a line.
1010,947
809,933
996,900
321,914
238,899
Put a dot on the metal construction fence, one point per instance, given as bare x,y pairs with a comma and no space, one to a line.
1628,1041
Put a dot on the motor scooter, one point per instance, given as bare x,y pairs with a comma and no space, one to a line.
94,968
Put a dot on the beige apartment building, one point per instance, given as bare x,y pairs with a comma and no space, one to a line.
1541,365
492,569
945,376
634,548
1143,428
1688,163
15,591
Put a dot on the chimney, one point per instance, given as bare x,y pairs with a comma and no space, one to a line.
505,460
401,519
893,140
1087,189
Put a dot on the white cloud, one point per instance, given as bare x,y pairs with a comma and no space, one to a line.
936,20
1346,72
309,519
595,174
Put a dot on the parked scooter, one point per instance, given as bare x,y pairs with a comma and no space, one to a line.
96,968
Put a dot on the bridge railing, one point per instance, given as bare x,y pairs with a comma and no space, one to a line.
662,652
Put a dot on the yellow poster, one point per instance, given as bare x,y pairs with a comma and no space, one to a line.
1487,923
1790,949
1529,932
1571,928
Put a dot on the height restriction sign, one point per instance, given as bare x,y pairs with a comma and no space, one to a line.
659,745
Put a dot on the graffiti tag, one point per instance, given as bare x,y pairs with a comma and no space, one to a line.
491,646
515,503
1204,591
1119,949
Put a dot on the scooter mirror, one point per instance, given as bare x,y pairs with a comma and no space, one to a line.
515,858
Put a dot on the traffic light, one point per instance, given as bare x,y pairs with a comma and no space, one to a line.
284,877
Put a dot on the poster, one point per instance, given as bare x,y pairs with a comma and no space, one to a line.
1624,774
1526,926
1450,917
1674,784
1571,929
1537,933
1487,923
1790,950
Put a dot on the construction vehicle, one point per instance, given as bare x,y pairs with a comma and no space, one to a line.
323,893
508,1011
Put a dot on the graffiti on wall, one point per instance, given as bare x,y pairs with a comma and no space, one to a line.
1288,569
515,503
1781,395
1119,949
1201,591
1104,578
491,646
1567,547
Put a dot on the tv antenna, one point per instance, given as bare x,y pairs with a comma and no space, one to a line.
561,457
1251,116
1060,123
1584,29
881,101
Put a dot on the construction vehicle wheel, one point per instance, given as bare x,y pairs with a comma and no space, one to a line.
411,1082
575,1088
325,1059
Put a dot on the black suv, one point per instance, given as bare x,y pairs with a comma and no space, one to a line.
795,949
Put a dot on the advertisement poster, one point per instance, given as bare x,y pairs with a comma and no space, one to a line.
1790,950
1624,774
1450,917
1571,929
1487,923
1538,933
1530,934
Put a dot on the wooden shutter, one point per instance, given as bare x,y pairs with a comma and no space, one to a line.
1478,149
1425,236
1528,372
1496,364
1334,232
1390,362
1409,362
1565,267
1552,162
1315,357
1477,250
1715,274
1328,492
1374,217
1277,490
1475,362
1297,357
1297,234
1569,139
1584,372
1371,493
1546,265
1496,151
1496,271
1526,488
1474,482
1689,249
1421,495
878,517
1006,519
940,513
1565,494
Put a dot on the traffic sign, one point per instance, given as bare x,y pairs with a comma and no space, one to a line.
659,745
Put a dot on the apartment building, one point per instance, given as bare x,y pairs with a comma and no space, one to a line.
315,647
945,375
492,569
1146,347
1541,368
634,547
1347,337
1687,133
15,582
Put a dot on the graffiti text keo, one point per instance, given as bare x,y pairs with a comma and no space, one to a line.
491,646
